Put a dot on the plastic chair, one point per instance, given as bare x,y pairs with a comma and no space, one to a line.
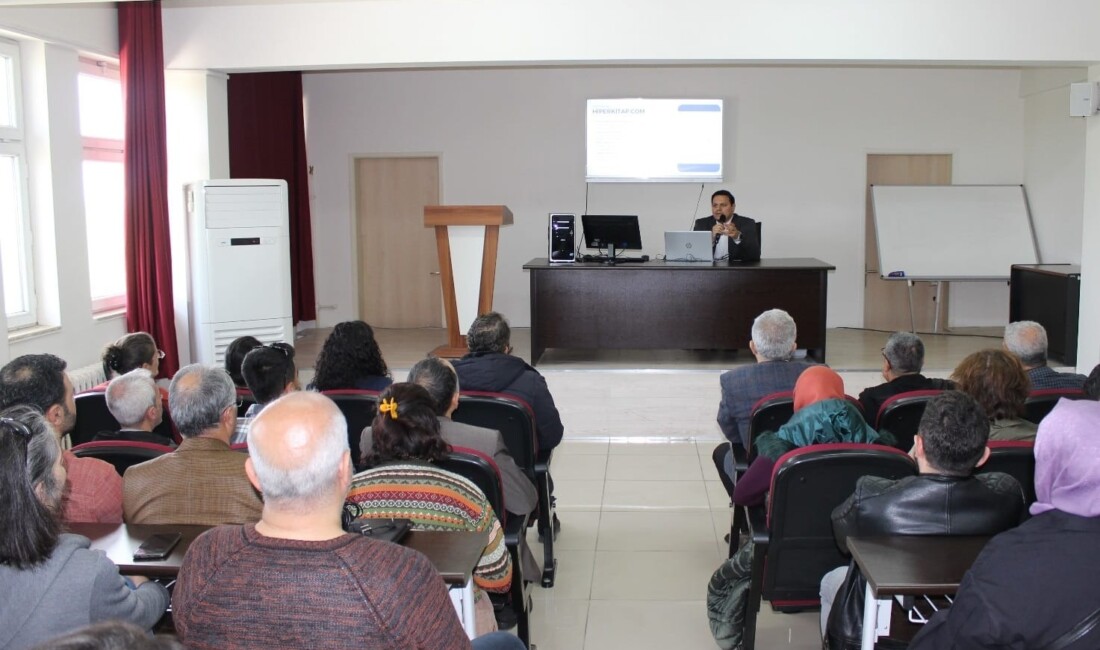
359,408
900,415
245,400
1015,458
1040,402
793,542
122,455
485,474
515,420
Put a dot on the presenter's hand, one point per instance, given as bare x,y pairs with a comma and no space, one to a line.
728,229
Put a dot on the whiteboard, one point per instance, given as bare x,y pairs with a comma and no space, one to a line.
952,232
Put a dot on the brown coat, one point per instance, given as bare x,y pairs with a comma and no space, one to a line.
203,482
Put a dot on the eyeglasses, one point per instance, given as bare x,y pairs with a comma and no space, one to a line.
160,354
17,427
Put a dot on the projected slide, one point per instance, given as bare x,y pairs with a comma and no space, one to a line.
653,140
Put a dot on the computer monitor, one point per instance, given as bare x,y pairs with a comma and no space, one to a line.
606,230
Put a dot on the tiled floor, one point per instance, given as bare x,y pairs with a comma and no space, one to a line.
643,513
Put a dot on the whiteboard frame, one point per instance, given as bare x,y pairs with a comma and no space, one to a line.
884,272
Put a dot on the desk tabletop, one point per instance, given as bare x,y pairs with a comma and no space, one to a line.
766,264
454,554
915,565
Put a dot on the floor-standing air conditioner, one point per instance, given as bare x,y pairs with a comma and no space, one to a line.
239,261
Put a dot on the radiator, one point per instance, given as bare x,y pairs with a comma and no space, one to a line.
86,378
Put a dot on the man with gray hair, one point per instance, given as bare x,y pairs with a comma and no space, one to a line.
490,366
1027,341
439,378
204,481
134,400
340,586
773,344
902,361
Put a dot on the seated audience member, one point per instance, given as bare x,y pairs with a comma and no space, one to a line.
822,414
270,373
133,351
93,489
998,382
946,498
406,441
1034,586
902,361
1092,384
135,402
113,635
490,366
351,359
51,582
234,357
773,345
342,589
438,377
203,482
1027,341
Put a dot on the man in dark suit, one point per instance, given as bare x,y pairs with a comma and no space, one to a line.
735,236
902,361
134,400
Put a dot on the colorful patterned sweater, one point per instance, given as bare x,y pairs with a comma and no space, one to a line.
435,499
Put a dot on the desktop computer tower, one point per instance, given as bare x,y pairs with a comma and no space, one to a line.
562,236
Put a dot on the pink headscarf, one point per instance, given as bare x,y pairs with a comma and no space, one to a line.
1067,472
816,384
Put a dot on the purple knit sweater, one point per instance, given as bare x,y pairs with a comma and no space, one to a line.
239,589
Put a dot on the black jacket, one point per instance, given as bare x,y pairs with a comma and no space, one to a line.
504,373
872,398
749,248
928,504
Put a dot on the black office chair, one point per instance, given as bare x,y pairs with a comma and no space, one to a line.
1015,458
900,415
93,417
484,473
245,400
121,454
359,408
515,420
1040,402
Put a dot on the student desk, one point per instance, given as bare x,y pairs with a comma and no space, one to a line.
454,555
673,305
908,566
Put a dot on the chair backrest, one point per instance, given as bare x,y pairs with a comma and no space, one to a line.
359,408
93,416
807,484
1015,458
482,471
768,414
245,400
900,415
506,413
1040,402
121,454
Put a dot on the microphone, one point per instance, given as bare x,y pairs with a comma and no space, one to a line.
696,211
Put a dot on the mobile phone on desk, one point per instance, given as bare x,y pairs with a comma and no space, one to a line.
157,547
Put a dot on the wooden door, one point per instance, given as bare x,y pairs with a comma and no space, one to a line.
886,302
398,264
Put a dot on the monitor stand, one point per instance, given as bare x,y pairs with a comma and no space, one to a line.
610,254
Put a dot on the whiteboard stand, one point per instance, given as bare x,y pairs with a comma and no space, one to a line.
912,316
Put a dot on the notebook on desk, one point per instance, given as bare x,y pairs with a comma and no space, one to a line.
688,246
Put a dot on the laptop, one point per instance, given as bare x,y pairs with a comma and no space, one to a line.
688,246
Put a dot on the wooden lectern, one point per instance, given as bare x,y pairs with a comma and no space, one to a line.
492,217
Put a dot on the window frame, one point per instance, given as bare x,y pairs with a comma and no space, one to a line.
13,143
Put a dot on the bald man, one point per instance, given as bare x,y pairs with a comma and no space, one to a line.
339,585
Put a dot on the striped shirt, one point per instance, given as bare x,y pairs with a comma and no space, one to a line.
435,499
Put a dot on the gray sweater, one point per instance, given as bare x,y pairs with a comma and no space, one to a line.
74,587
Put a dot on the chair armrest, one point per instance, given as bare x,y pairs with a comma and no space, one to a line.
757,517
542,461
515,529
740,459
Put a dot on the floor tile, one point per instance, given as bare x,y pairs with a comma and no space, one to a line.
655,495
581,446
801,631
578,495
579,530
559,624
648,625
652,575
584,467
572,578
656,446
719,498
656,531
653,468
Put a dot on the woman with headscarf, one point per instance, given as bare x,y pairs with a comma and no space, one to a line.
1036,586
822,414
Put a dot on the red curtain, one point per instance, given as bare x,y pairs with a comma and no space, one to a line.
148,248
267,139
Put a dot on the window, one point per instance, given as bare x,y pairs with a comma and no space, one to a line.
101,129
15,224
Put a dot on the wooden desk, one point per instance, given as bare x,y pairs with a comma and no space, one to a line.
908,566
454,555
673,305
1049,294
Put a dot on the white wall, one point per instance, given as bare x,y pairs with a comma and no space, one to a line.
796,146
90,28
356,34
1088,341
